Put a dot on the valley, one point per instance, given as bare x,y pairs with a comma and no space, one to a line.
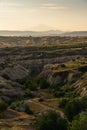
37,74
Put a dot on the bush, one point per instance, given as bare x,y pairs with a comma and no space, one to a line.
59,93
28,94
42,83
63,65
3,106
63,103
72,108
21,107
52,121
41,99
28,83
6,76
79,124
83,69
84,102
27,109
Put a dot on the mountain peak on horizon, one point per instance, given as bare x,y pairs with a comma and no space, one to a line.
42,33
42,27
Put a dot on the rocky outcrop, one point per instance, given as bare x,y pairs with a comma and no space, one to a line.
15,72
80,86
10,90
55,75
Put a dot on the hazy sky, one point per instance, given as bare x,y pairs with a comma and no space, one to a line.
43,14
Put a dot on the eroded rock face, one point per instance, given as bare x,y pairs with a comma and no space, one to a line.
15,72
10,90
80,85
77,77
54,75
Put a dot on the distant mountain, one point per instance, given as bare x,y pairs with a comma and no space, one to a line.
41,27
75,33
31,33
42,33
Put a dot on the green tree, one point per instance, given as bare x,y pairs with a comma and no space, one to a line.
73,108
3,106
27,109
52,121
80,124
63,102
42,83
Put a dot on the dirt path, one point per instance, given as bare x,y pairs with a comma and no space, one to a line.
47,107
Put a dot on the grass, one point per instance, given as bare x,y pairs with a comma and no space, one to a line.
69,66
36,107
14,119
52,102
13,128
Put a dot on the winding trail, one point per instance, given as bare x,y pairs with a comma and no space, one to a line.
47,107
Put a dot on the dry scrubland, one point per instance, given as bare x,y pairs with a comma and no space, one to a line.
37,74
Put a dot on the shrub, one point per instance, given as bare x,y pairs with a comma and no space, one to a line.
27,109
79,124
28,83
3,106
6,76
52,121
41,99
21,107
83,69
59,94
42,83
72,108
63,65
63,103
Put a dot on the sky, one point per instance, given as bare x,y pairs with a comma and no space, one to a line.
41,15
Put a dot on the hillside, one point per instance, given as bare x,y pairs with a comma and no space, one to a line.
36,74
75,33
43,41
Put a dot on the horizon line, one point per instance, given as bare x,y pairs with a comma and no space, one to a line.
42,30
